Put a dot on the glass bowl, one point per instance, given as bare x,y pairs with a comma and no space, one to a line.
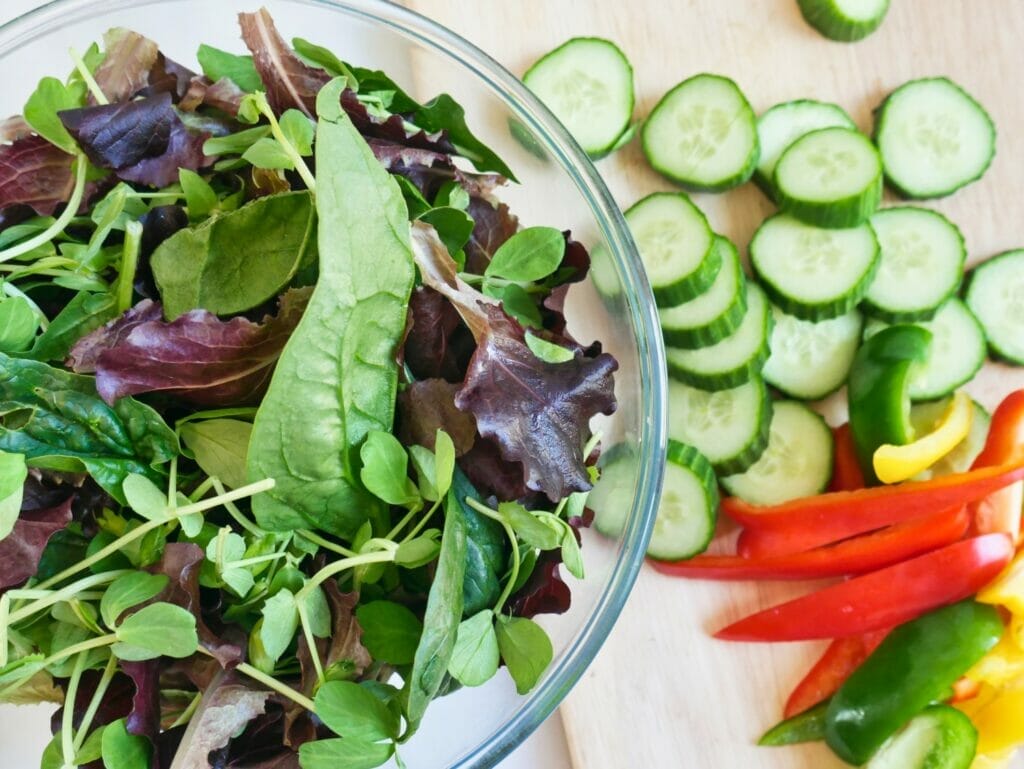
558,187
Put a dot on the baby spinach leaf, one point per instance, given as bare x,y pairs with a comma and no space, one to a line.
443,113
122,750
453,226
145,497
526,650
337,376
442,615
351,711
18,324
385,470
529,255
299,131
344,754
571,555
128,591
268,153
475,658
13,473
50,97
391,632
158,630
486,550
85,313
264,241
239,69
57,421
220,447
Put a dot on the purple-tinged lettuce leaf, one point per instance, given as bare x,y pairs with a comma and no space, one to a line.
224,95
492,474
493,225
167,76
115,705
125,69
428,405
22,549
14,128
144,717
197,357
428,169
545,592
35,173
438,345
184,150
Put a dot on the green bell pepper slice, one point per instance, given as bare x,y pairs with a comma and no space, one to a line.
913,667
878,391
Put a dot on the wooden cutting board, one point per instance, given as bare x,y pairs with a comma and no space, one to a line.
661,690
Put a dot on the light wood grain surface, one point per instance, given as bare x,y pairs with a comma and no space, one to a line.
662,690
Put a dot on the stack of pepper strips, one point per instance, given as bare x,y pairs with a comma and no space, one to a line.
914,553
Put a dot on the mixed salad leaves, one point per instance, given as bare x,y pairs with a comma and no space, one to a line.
293,438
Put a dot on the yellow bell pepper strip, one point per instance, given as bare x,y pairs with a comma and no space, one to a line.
993,761
1000,722
893,463
1007,589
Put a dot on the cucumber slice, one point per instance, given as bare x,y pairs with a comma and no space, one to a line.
713,315
797,462
783,124
934,138
924,417
812,272
588,83
922,264
733,360
675,244
955,355
844,20
702,134
811,360
996,296
830,178
612,496
729,427
689,505
941,737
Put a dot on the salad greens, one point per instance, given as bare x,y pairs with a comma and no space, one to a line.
292,437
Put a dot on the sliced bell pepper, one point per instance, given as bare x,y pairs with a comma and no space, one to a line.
841,658
1001,510
965,689
893,463
883,598
878,391
802,524
846,474
808,726
912,667
1000,722
852,556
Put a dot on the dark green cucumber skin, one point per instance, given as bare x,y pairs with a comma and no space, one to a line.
692,285
822,310
753,451
818,16
742,175
723,380
836,214
619,141
993,346
709,334
894,184
687,456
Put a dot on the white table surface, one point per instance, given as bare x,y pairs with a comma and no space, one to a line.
545,750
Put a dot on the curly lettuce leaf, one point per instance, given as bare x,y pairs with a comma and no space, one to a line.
34,172
22,549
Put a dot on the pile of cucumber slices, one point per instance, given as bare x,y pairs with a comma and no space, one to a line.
828,270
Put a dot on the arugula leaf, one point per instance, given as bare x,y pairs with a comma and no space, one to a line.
443,113
385,469
264,240
529,255
441,617
391,632
344,754
128,591
525,649
50,97
158,630
122,750
85,313
351,711
239,69
475,658
315,412
220,446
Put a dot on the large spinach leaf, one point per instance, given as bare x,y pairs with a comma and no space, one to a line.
442,616
57,420
337,376
486,551
237,260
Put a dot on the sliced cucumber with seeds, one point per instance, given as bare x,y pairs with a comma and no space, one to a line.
703,134
713,315
844,20
996,296
955,355
934,138
675,244
830,178
733,360
729,427
588,83
922,264
811,360
940,737
688,509
612,496
783,124
925,416
797,462
812,272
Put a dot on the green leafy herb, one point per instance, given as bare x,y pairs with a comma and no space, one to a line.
122,750
534,531
280,621
355,713
85,313
526,650
236,143
344,754
145,497
486,550
50,97
391,632
385,469
475,658
529,255
200,197
18,324
13,473
323,58
220,447
158,630
454,226
264,240
128,591
546,351
240,69
516,301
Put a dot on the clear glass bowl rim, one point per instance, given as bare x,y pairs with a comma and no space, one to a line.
553,137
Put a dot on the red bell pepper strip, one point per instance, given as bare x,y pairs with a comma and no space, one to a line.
883,598
802,524
853,556
846,472
965,689
1001,510
841,658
